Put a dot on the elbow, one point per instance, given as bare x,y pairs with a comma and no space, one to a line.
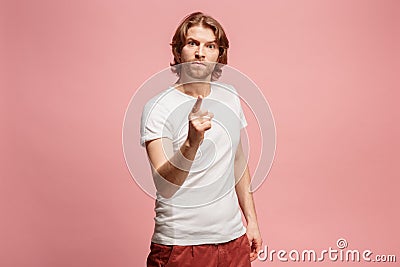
164,187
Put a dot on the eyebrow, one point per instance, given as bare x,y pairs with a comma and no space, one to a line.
191,38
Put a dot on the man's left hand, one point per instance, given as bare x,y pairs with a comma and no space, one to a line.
255,241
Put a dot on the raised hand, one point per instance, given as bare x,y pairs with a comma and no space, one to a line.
199,122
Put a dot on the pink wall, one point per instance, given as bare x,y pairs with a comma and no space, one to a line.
329,70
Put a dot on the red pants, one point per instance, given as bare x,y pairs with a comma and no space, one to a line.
235,253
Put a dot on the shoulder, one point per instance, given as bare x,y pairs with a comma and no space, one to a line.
161,101
226,93
224,86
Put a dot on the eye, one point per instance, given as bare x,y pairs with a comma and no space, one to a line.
191,43
211,46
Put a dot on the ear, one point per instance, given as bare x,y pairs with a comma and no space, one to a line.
221,51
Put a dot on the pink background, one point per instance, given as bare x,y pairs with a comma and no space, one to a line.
69,69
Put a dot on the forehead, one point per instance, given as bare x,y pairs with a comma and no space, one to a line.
200,33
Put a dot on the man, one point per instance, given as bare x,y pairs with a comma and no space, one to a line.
192,136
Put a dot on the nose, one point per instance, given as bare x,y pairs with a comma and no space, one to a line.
199,53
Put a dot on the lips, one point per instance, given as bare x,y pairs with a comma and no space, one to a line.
198,63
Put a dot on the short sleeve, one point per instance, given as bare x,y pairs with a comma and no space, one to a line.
242,117
154,123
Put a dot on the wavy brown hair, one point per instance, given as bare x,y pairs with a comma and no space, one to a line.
179,40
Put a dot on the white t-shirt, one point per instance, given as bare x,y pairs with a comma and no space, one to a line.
205,209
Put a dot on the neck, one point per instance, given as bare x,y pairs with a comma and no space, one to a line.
195,89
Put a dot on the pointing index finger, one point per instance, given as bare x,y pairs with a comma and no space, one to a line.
197,105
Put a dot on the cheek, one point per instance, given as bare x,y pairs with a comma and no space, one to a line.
213,57
185,53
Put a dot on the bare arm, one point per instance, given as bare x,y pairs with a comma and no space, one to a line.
174,167
246,201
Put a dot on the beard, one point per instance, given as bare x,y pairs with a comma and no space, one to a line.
198,70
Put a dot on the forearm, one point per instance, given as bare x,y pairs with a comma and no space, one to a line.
176,169
245,197
246,202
